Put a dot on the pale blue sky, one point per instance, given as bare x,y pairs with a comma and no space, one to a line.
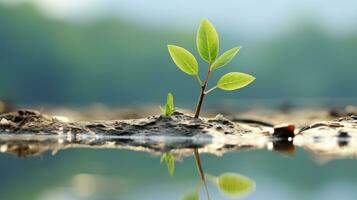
260,18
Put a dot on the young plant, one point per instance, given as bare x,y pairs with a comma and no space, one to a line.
207,45
169,107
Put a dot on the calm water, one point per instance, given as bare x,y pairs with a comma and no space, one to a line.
98,174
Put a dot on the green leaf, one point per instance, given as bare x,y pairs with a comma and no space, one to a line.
169,159
225,58
193,195
183,59
207,41
235,185
234,80
169,107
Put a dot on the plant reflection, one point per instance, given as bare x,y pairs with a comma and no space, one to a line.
231,185
192,195
169,159
200,170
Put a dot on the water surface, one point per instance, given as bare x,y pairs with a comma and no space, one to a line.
98,174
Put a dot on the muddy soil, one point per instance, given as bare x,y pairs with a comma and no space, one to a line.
29,132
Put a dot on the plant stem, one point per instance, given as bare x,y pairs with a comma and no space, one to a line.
200,170
197,114
210,90
202,94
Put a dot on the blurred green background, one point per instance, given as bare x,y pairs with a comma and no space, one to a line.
114,52
79,52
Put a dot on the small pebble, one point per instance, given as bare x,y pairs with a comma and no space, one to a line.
284,131
4,122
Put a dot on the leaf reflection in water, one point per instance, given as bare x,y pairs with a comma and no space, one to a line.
233,184
169,159
230,184
192,195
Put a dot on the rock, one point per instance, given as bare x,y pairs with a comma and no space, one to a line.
284,131
4,122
